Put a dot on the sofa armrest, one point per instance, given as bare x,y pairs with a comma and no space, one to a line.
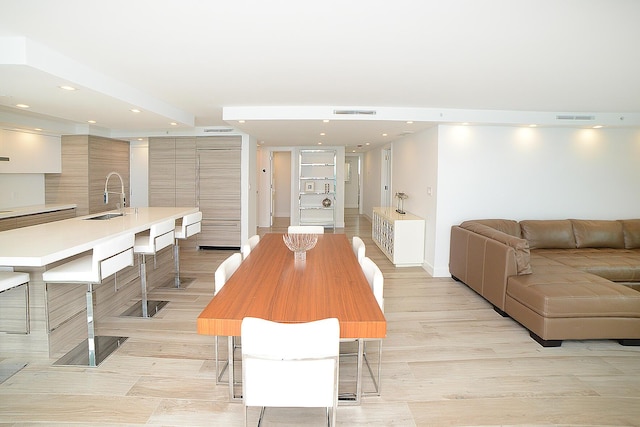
482,263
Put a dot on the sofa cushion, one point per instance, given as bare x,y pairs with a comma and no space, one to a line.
598,233
573,295
521,246
631,230
508,226
618,265
548,233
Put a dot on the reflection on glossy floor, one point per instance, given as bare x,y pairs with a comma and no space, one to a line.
448,360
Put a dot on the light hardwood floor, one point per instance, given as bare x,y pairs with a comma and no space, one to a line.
448,360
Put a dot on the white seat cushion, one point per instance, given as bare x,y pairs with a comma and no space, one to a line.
10,279
78,270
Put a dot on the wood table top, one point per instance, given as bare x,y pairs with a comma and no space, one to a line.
269,285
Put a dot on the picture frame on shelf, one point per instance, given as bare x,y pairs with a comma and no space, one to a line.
309,186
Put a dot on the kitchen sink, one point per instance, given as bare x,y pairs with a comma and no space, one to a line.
106,216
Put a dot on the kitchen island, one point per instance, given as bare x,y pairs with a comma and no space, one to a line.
58,311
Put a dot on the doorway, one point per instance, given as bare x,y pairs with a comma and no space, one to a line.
352,182
280,187
385,196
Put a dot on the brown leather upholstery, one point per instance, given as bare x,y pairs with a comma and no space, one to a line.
548,233
631,228
571,292
598,234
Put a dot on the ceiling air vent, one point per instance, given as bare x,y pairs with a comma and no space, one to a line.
221,130
570,117
356,112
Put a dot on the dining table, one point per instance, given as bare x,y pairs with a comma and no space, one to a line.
271,284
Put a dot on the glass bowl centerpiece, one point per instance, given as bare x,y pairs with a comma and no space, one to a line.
299,244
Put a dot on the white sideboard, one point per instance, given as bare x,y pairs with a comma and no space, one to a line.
399,236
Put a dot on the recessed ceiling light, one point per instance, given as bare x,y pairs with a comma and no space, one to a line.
173,124
384,134
240,121
65,87
91,121
135,110
319,143
322,134
367,143
38,129
140,139
22,106
325,121
533,126
409,122
597,126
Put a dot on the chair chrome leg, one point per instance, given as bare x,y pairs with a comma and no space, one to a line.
91,334
28,312
143,285
176,257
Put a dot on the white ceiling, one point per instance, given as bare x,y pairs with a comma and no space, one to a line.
285,65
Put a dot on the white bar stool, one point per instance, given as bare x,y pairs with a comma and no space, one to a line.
107,258
10,279
191,224
159,237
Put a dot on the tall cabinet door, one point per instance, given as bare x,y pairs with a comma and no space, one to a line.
186,172
219,193
172,171
162,172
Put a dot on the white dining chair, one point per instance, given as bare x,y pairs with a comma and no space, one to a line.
358,248
106,259
376,281
190,225
249,245
305,229
290,365
159,236
221,275
10,279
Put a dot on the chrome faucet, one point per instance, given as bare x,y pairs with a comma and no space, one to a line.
106,191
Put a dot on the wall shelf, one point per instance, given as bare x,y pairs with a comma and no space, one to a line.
316,187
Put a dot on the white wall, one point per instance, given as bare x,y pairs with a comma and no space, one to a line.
415,171
533,173
282,183
371,176
139,173
352,187
23,189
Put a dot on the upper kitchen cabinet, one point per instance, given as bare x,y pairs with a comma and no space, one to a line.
22,152
172,171
86,162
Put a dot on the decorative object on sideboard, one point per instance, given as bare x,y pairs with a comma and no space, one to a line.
401,197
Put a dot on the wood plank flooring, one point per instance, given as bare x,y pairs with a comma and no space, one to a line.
448,360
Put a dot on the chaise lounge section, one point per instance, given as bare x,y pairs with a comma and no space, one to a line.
561,279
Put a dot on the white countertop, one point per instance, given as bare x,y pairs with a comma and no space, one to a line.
33,209
392,214
43,244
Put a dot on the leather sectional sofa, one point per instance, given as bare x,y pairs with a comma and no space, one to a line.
561,279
